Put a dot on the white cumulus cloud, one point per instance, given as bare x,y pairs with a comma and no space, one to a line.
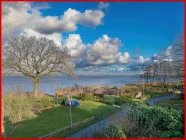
75,45
124,58
69,20
26,19
105,51
18,16
24,15
103,5
168,51
56,37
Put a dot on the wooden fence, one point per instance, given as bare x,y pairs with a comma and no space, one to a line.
68,128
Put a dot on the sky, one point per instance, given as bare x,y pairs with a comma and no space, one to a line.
120,37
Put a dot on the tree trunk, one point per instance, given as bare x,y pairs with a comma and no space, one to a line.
36,84
178,82
164,80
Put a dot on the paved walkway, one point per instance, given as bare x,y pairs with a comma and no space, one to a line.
158,99
97,126
109,120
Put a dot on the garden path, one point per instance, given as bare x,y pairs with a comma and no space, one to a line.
109,120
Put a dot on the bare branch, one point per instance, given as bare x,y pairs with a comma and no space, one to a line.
36,58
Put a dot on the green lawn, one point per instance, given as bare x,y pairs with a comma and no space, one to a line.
67,133
57,118
175,104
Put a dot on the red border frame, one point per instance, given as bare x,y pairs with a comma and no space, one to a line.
93,0
89,1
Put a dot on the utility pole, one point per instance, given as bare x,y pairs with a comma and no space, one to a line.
143,85
70,111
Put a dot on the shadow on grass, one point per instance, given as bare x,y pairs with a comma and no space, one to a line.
57,118
8,127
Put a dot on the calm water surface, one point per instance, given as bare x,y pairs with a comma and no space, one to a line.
49,84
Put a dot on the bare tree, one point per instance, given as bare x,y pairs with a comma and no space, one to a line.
36,58
178,56
178,50
155,72
148,72
165,70
158,74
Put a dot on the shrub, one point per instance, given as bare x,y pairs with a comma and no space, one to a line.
75,97
17,107
172,134
127,98
150,121
85,96
164,118
137,103
36,108
8,127
45,102
58,100
108,99
146,97
118,101
110,132
94,98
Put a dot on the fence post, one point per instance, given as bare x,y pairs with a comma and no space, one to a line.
68,127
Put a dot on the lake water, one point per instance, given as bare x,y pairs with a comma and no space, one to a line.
49,84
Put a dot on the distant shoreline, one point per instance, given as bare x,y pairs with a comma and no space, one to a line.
86,75
49,84
90,75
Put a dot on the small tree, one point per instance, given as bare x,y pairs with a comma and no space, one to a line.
36,58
